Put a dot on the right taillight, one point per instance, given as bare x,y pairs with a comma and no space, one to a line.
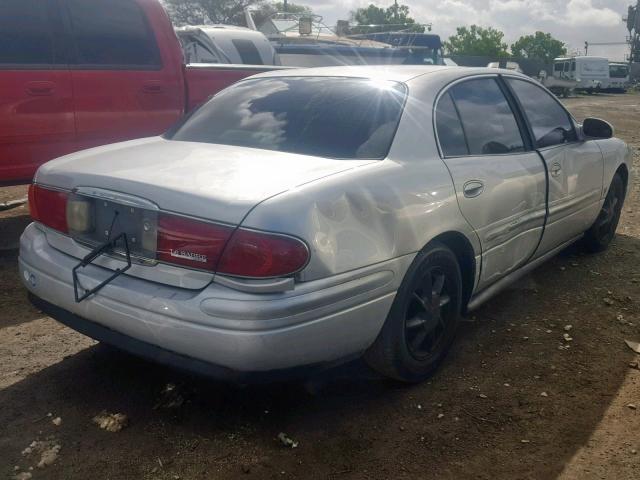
48,207
226,250
255,254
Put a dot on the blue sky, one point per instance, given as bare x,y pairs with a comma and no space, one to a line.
572,21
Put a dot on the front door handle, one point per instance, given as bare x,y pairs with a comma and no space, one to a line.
555,169
40,89
473,188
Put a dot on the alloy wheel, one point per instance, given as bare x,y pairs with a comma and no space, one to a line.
428,314
609,215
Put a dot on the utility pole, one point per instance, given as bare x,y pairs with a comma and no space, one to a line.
633,25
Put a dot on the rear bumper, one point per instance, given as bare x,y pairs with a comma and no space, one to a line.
166,357
232,333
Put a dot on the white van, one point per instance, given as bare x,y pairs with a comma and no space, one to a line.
590,73
618,77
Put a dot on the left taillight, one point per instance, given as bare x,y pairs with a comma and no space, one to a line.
49,207
190,242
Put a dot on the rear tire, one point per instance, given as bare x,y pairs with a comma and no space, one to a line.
603,231
423,319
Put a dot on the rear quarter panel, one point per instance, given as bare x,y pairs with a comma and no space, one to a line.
615,153
365,216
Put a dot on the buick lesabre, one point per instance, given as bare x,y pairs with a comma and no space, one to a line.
301,218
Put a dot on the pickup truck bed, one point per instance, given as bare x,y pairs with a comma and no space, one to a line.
82,73
204,80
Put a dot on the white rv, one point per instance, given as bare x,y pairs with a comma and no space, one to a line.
590,73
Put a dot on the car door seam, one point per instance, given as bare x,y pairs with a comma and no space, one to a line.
532,140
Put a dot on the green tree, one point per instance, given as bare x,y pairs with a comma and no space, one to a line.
540,46
394,18
197,12
475,40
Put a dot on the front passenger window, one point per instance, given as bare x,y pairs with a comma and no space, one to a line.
550,122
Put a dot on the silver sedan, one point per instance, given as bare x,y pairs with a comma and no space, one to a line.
301,218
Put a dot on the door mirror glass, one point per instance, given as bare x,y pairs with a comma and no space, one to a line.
596,128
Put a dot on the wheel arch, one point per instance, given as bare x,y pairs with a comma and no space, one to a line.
465,254
623,171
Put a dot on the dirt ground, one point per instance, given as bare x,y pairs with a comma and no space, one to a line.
514,399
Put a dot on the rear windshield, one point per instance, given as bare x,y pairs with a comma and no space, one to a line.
345,118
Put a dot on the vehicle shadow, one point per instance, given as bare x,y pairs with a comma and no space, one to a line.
12,224
482,415
15,309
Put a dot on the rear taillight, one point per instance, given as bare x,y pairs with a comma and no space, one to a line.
48,207
181,240
243,253
261,255
189,242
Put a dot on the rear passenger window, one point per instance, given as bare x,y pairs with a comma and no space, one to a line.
550,122
248,52
487,119
112,32
25,33
450,133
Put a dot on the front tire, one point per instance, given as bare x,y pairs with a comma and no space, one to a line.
423,319
603,231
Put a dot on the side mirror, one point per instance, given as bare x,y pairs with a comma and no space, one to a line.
596,128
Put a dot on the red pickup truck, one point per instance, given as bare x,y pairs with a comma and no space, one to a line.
80,73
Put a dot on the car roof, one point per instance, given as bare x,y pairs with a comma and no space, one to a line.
398,73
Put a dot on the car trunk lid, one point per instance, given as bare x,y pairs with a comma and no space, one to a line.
215,182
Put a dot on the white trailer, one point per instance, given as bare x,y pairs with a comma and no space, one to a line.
591,74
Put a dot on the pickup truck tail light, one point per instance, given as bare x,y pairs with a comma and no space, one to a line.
48,207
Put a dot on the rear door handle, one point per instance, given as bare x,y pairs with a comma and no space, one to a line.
473,188
40,89
555,169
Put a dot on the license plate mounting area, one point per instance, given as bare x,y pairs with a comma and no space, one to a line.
120,243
